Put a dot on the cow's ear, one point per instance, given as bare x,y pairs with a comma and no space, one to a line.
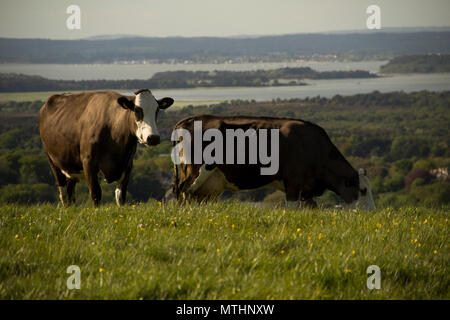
125,103
164,103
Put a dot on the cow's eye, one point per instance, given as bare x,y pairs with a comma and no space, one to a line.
363,191
139,112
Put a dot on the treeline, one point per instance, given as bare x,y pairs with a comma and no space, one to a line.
274,48
400,138
12,82
276,77
428,63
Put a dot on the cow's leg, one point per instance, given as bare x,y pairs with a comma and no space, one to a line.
91,174
308,203
71,183
122,186
292,196
61,183
307,200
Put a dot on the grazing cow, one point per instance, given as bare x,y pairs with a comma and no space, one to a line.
97,132
309,163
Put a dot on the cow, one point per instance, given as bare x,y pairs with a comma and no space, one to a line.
97,133
309,163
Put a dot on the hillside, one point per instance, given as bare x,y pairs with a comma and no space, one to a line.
429,63
354,46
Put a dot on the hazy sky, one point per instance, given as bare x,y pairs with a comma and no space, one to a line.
47,18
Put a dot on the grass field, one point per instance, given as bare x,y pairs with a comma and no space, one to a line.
224,250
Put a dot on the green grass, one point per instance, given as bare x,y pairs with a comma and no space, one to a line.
224,250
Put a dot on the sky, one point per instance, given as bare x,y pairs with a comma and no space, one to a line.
223,18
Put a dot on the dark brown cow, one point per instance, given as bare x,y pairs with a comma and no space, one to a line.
309,163
97,132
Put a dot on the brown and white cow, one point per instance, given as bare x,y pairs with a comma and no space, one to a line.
309,163
97,132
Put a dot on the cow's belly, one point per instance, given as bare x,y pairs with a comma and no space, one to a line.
79,175
212,183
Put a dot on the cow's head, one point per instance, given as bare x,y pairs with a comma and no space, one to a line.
348,187
365,199
340,176
146,108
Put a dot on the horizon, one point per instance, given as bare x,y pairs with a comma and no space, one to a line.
415,29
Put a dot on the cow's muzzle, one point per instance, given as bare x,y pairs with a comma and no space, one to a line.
153,140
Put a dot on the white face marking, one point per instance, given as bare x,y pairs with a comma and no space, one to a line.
365,202
147,126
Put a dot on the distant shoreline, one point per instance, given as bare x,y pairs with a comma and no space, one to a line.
11,82
411,64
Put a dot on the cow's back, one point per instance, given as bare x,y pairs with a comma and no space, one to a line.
303,148
67,121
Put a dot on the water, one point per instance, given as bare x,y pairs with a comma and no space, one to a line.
146,71
324,88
